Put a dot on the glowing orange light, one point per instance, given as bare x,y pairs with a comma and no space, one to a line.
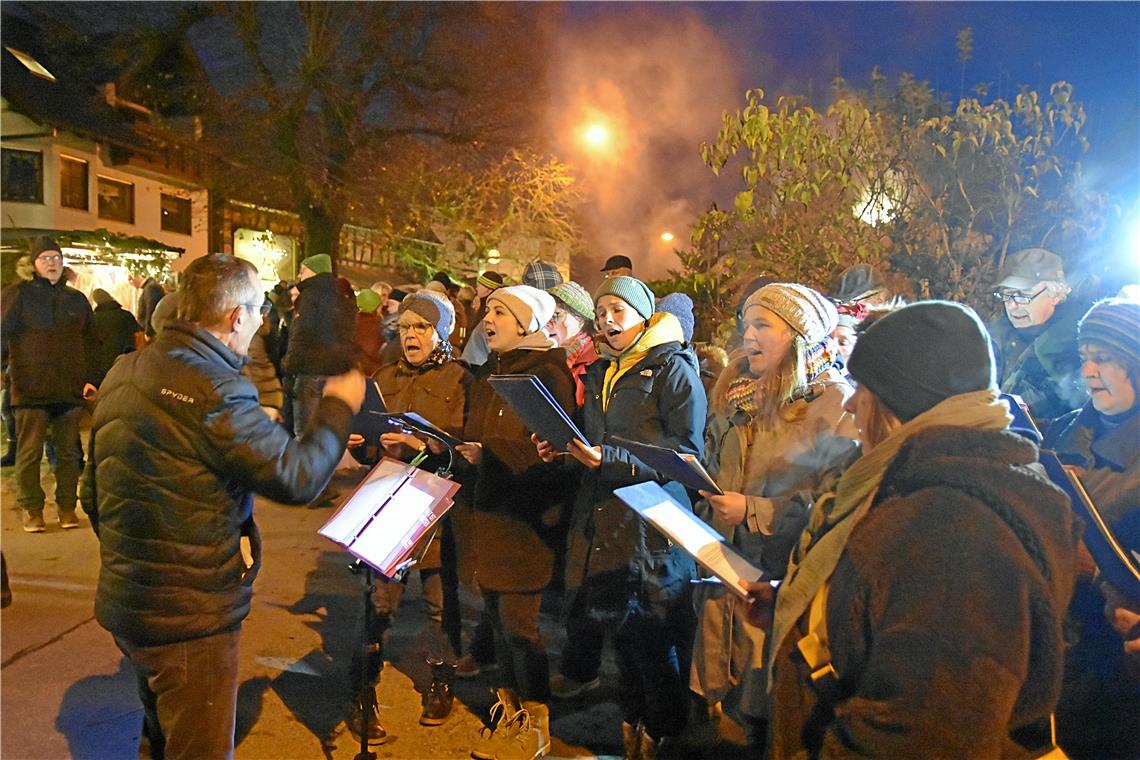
596,135
667,236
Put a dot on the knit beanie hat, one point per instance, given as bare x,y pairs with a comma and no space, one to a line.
368,301
681,307
805,310
1115,324
631,290
100,297
921,354
532,307
541,275
434,308
41,244
575,297
490,280
318,263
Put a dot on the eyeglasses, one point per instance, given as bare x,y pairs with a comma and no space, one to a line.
419,328
1018,297
51,258
263,307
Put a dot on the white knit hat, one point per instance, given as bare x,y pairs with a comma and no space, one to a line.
806,311
532,307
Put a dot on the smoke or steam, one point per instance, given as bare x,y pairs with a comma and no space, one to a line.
651,85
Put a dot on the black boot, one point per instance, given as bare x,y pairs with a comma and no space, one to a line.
9,457
438,697
356,722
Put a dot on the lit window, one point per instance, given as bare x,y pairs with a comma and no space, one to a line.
73,183
116,200
22,176
176,214
31,64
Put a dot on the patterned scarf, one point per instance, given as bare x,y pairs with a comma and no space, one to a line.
741,395
440,356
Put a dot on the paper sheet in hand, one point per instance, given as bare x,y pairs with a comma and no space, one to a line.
691,533
686,469
389,513
532,402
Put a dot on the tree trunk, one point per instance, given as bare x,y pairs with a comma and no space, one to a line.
322,233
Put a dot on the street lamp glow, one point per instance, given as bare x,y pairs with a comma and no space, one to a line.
596,135
667,237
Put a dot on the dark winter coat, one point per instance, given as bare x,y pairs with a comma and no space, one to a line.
47,341
1099,712
513,500
659,400
944,613
179,445
150,294
1040,364
115,329
322,335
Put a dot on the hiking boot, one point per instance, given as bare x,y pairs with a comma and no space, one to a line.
34,522
67,518
355,722
438,697
565,687
502,715
631,741
525,735
468,667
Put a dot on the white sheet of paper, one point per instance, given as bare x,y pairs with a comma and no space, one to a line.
687,530
344,526
385,538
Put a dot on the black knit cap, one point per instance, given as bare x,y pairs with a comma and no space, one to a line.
41,244
921,354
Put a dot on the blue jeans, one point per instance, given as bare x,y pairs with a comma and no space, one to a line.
33,425
189,695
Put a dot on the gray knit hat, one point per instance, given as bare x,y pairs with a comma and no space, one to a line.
631,290
806,311
921,354
1115,324
532,307
575,297
433,307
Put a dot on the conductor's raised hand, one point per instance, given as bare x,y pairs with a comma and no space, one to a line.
348,387
590,456
546,452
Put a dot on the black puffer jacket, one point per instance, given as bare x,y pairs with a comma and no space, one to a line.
178,446
512,496
658,400
115,329
944,612
47,343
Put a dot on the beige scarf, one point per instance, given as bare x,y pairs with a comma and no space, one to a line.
835,515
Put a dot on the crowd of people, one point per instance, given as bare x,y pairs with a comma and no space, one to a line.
925,589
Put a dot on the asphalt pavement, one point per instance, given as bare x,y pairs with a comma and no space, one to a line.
66,690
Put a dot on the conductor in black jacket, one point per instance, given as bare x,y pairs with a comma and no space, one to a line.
179,445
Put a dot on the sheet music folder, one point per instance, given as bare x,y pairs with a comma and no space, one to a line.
692,534
686,469
389,513
532,402
414,423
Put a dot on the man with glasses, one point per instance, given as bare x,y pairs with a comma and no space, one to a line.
1035,343
179,445
47,344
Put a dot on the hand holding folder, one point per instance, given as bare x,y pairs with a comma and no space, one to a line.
686,469
692,534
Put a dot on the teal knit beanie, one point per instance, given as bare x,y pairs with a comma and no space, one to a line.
631,290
